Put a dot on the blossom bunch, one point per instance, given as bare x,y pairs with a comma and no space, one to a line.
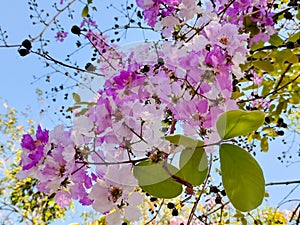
148,93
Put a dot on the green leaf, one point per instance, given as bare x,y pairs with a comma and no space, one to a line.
76,97
179,139
294,37
238,123
89,1
285,55
85,11
258,45
275,40
263,65
264,144
193,165
242,177
155,179
250,25
82,112
71,109
259,54
244,221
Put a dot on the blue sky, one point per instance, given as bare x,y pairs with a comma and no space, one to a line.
17,89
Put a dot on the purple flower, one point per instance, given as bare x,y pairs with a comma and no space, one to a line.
34,149
42,135
28,142
35,157
62,198
61,35
256,78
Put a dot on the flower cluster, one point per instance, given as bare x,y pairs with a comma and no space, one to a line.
147,94
51,159
155,8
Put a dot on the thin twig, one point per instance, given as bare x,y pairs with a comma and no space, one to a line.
154,217
283,74
201,192
283,183
133,161
50,58
51,21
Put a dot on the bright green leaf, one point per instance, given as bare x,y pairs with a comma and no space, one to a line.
154,179
85,11
193,165
242,177
264,65
238,123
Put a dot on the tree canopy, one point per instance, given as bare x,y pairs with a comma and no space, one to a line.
163,106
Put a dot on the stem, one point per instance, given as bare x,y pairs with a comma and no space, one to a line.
283,74
283,183
201,192
172,129
9,46
105,59
51,21
114,163
50,58
156,214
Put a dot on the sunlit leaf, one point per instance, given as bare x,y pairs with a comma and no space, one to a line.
242,177
193,165
294,37
264,65
154,179
238,123
275,40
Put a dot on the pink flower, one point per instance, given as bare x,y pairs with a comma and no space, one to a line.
153,9
256,78
62,198
114,193
61,35
88,22
34,149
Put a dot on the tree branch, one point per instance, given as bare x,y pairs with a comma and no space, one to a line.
50,58
283,183
51,21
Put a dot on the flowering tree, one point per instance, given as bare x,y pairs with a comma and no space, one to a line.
20,201
221,77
